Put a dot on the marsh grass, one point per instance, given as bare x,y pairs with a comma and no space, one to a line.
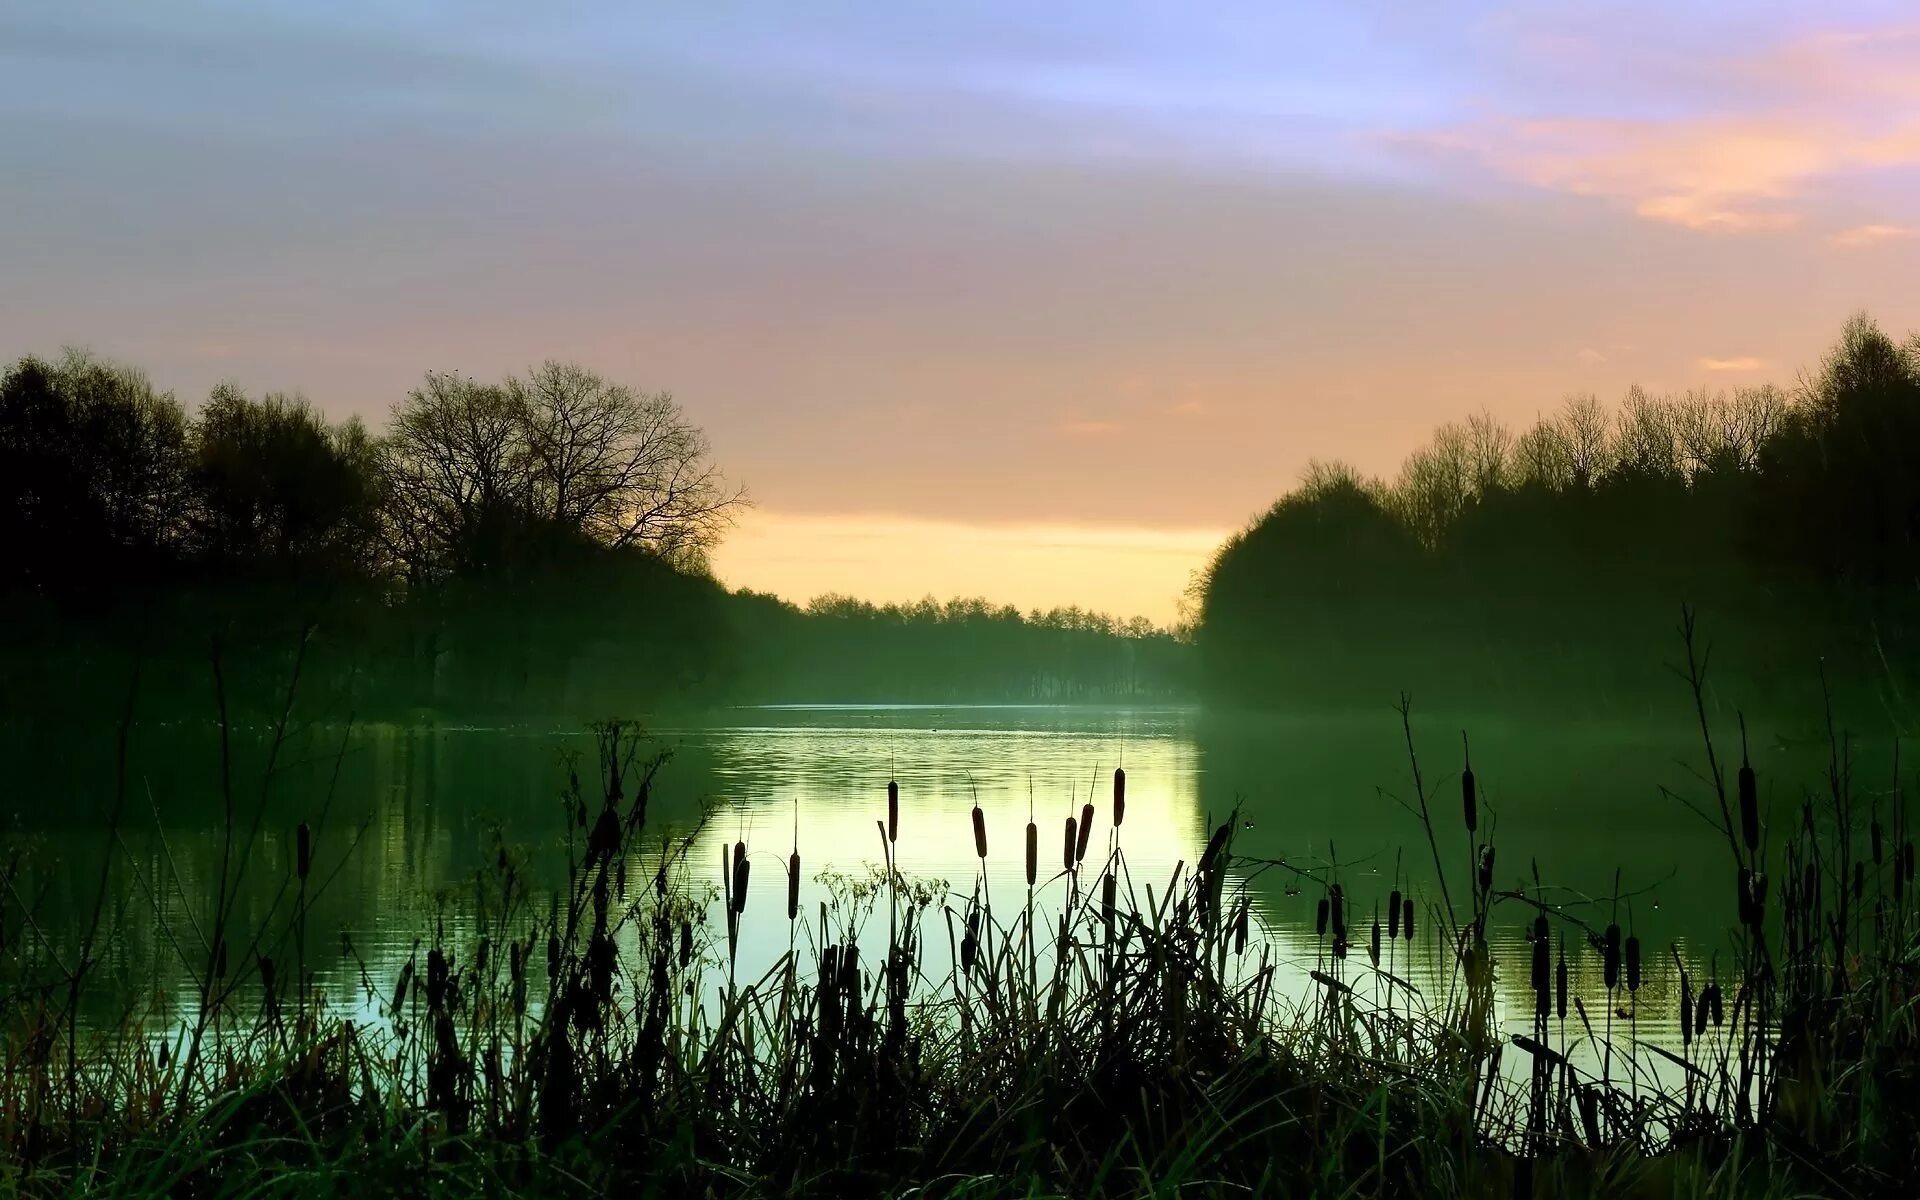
1100,1034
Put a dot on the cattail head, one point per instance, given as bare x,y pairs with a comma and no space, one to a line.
1633,964
793,886
1119,796
1109,901
1469,791
1701,1008
1713,1005
1393,913
1610,957
1033,853
1560,983
1686,1010
1749,808
1086,829
1373,940
979,833
1542,976
893,811
686,942
1874,834
1240,922
303,851
741,869
1320,918
1486,868
1072,839
1406,918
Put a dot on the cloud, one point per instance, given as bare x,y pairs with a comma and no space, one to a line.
1868,235
1591,357
1190,408
1745,164
1742,363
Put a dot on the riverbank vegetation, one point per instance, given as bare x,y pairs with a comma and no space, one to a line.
1504,567
1091,1033
531,546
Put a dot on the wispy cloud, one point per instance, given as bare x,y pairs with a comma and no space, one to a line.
1810,111
1591,357
1869,235
1743,363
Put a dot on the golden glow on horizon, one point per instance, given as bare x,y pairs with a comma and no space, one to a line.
1126,571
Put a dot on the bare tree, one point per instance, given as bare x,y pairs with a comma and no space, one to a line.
455,466
624,467
1583,423
476,472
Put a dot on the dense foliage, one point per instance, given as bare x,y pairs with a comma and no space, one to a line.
533,545
1550,564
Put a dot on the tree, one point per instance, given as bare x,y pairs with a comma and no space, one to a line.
278,488
485,478
624,467
92,467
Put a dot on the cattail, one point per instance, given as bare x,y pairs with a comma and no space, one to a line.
1373,940
741,869
1033,853
1486,868
1216,846
1749,808
1240,927
1700,1010
893,811
1469,794
1393,914
1109,896
1633,964
1759,889
1320,919
1713,1002
793,885
686,942
1610,957
1686,1010
1406,919
1874,831
1119,796
1560,982
303,851
1066,850
1339,914
1542,976
970,943
1086,829
980,833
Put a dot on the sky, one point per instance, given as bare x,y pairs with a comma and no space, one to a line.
1030,301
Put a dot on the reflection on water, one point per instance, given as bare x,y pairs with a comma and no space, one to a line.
406,817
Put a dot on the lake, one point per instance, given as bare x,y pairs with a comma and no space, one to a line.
406,815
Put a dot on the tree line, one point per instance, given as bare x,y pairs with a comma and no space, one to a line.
1551,563
540,540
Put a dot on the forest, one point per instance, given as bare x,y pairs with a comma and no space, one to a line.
533,546
1549,566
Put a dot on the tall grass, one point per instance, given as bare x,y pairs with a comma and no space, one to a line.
1118,1035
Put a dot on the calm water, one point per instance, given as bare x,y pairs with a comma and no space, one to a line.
407,815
